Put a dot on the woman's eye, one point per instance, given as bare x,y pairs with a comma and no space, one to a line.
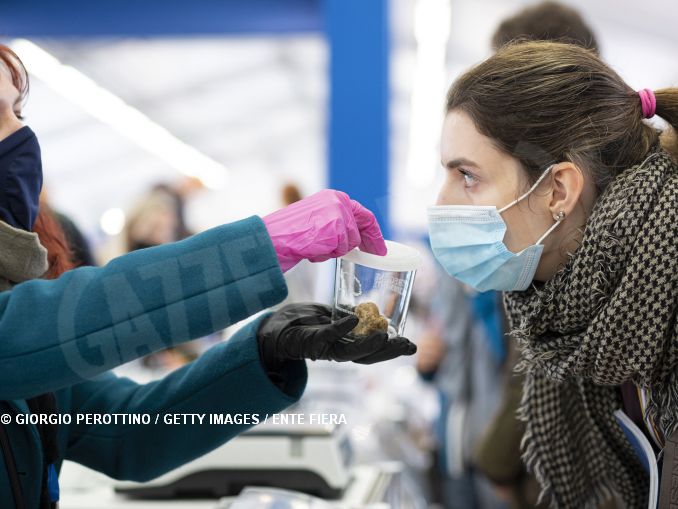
469,178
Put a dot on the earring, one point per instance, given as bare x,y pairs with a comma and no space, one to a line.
559,216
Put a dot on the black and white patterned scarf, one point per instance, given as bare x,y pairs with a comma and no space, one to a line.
607,317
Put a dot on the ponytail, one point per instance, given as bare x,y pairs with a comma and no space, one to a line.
667,105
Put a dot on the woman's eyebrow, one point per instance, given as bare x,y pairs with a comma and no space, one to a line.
462,161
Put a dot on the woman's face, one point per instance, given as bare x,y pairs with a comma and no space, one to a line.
478,173
10,102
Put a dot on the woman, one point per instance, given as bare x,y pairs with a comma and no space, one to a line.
558,193
60,338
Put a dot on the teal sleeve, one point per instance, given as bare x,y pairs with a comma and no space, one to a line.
58,333
228,378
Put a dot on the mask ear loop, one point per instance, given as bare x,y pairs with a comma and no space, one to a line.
525,195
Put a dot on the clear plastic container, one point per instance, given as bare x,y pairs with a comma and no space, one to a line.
385,281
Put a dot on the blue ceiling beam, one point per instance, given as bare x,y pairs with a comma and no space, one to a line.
98,18
358,36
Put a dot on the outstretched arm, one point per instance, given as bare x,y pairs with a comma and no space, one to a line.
57,333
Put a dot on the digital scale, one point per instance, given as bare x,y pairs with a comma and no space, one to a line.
303,464
313,459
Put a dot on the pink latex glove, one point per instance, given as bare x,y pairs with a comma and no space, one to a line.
325,225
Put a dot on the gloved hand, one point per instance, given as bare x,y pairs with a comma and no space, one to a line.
306,331
325,225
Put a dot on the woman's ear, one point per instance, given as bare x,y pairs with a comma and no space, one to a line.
567,187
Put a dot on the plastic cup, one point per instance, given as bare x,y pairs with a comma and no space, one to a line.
383,280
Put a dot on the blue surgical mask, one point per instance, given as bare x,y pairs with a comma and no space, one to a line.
468,241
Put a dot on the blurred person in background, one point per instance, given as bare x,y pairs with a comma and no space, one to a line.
546,21
81,253
290,193
462,352
157,219
152,222
181,192
61,338
497,454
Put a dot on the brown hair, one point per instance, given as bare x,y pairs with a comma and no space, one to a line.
16,70
546,102
546,21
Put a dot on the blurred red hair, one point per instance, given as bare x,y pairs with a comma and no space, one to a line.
53,239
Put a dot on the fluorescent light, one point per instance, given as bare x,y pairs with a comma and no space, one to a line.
112,221
116,113
432,20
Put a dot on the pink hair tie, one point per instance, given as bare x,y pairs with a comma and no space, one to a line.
648,102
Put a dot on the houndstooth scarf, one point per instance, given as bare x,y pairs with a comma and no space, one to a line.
608,316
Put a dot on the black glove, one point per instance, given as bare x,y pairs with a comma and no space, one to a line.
306,331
